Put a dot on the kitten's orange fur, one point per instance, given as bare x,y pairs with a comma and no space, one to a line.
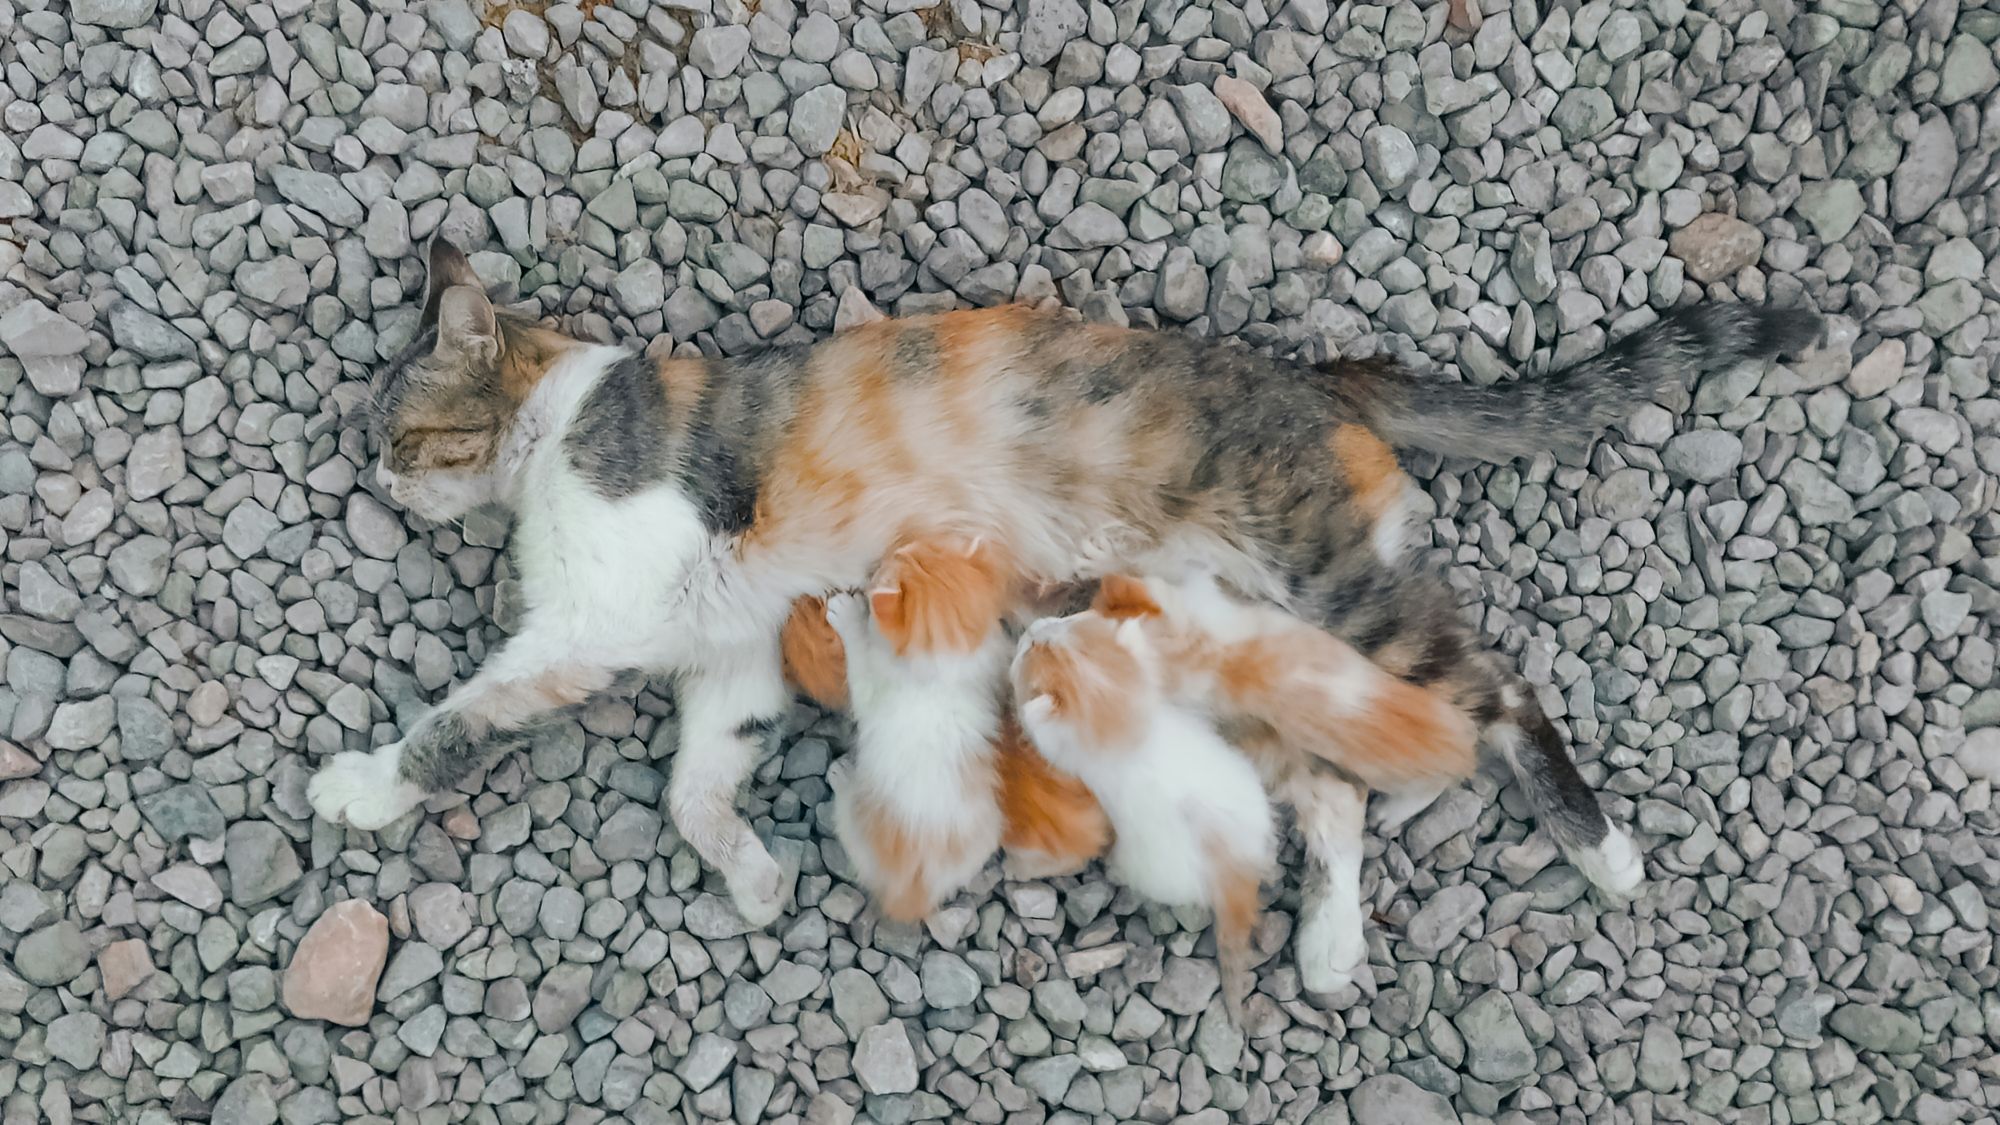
814,661
1051,818
908,858
1391,736
1048,813
940,594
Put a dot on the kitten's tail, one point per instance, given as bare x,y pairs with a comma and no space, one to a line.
1236,903
1566,409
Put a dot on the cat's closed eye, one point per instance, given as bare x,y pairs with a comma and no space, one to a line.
440,448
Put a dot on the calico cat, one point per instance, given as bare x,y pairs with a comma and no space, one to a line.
1192,822
668,512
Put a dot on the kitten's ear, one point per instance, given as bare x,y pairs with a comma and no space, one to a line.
885,605
449,268
1131,634
1040,709
1122,596
467,327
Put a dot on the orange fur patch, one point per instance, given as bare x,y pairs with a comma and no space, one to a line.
1391,734
943,595
1408,734
527,352
1046,810
907,858
815,660
1370,468
1120,596
1089,679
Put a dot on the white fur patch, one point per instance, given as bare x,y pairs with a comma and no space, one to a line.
1614,866
1395,534
923,747
362,790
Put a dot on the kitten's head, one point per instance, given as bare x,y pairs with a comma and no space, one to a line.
444,408
1086,676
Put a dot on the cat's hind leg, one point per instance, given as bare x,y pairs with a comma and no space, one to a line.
1330,813
1567,805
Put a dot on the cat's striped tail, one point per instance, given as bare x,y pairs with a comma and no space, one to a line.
1564,410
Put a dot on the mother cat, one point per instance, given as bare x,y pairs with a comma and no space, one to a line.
667,513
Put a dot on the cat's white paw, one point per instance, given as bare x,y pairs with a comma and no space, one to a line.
1331,949
757,885
363,790
1614,866
847,612
1395,810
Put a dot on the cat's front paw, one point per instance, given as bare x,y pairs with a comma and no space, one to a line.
757,886
1331,948
362,789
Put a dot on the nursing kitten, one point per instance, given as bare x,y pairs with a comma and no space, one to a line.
668,512
1306,704
1050,824
1192,822
915,804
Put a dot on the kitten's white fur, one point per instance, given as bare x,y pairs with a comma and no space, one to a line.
1178,788
923,744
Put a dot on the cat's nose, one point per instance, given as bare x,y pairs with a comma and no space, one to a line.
384,477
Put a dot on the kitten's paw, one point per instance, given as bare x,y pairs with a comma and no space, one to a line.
1614,866
757,885
1331,949
847,612
363,790
1026,866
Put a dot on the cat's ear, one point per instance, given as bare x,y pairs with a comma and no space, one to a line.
448,268
1040,709
1122,596
467,327
1132,634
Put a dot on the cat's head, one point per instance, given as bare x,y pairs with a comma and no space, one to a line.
444,408
1087,675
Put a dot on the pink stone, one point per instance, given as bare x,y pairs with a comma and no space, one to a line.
16,762
1464,15
460,824
332,976
124,965
1714,246
1246,103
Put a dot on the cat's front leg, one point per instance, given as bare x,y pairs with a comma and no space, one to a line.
535,673
727,709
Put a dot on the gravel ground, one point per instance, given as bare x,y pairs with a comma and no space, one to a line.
1765,612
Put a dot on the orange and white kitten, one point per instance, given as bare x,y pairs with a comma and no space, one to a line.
1051,824
915,804
1194,825
1326,725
